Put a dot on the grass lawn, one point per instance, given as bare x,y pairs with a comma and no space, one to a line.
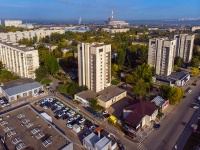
114,82
194,139
46,81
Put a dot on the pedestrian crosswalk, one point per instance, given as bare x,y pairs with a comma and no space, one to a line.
142,147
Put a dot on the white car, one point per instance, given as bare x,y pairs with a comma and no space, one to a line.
92,128
69,126
105,112
82,120
70,120
76,117
195,107
35,95
45,107
4,105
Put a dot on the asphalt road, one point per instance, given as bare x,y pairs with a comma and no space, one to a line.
171,129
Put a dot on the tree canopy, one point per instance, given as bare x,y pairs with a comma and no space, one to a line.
194,72
40,73
174,94
94,105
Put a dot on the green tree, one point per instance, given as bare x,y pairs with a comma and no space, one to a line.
178,61
194,72
51,64
140,89
144,72
114,68
172,93
121,58
94,105
195,62
129,78
40,73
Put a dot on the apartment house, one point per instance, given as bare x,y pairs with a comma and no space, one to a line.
94,65
161,55
15,23
184,46
19,59
16,36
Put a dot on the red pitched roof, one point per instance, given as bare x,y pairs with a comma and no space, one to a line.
139,109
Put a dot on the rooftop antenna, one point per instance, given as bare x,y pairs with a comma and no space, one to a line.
79,20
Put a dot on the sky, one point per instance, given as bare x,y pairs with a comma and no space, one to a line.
93,10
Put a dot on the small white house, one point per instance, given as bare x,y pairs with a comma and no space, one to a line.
76,128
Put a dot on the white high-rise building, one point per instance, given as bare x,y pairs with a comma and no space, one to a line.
184,46
94,65
161,55
14,23
19,59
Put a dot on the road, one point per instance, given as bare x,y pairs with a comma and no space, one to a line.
171,129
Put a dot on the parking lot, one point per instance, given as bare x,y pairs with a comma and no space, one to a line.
65,118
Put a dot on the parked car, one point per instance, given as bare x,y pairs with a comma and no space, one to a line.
70,120
86,134
105,112
156,126
82,120
69,125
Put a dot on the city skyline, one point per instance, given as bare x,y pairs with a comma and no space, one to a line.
91,10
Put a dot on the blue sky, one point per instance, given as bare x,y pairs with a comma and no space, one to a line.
98,9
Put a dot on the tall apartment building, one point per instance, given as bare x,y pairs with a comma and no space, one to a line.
94,65
14,23
161,55
19,59
16,36
184,46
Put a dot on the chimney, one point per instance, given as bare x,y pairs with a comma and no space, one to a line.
99,134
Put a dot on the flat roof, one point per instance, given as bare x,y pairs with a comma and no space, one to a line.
17,46
17,82
178,75
22,88
24,133
104,95
87,95
109,92
158,100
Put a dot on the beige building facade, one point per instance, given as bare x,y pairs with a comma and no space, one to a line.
161,55
94,65
16,36
19,59
184,46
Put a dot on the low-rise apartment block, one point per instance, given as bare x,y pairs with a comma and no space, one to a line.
19,59
16,36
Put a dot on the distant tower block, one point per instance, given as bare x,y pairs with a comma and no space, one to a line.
79,20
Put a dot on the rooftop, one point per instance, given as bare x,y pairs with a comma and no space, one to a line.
104,95
178,75
31,129
139,109
17,46
158,100
92,139
102,143
22,88
109,92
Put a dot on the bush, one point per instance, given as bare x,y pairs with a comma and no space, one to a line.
46,81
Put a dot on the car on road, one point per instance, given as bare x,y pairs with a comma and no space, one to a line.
156,126
195,106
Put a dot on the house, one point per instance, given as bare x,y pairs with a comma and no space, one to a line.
20,88
99,142
139,114
160,102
